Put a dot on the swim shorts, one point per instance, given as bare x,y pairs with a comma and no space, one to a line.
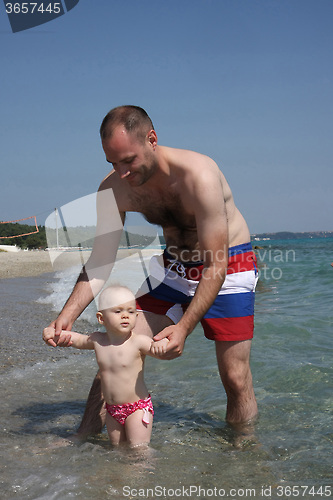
121,412
171,286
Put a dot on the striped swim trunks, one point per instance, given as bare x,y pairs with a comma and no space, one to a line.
171,286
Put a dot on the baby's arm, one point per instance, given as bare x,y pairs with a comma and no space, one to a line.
73,339
148,347
80,341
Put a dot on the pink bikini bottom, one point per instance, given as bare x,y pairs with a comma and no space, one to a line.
121,412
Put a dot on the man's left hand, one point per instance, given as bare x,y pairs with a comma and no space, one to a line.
176,336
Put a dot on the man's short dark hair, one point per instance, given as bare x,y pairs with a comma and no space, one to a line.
133,118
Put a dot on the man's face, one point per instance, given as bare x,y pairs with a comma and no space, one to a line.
132,159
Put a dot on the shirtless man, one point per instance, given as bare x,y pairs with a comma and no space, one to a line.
207,246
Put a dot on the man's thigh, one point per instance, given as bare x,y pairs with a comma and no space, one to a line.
233,356
150,323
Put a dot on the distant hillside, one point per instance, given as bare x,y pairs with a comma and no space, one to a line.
286,235
37,240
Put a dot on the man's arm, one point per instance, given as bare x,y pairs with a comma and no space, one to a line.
212,228
99,265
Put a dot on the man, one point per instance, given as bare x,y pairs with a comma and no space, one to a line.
207,246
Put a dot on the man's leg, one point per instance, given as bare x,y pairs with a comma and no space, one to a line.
93,419
233,359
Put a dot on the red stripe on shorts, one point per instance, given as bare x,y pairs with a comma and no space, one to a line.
152,304
241,262
234,329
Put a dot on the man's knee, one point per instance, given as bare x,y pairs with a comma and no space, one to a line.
233,360
237,379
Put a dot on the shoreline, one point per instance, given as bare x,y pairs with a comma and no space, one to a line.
26,263
23,264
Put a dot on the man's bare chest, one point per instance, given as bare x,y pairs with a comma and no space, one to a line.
163,210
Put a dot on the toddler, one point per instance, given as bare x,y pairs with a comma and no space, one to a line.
120,355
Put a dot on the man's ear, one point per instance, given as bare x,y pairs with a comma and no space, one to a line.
152,138
100,318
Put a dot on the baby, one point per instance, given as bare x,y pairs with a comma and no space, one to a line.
120,355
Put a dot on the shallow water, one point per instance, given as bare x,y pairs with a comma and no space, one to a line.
44,392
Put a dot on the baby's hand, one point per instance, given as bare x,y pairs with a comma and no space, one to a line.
159,347
50,337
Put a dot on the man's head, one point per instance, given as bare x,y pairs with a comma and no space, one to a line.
129,142
134,119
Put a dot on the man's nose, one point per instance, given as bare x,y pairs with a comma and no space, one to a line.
123,172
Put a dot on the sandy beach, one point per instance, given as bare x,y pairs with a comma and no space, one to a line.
35,262
26,263
30,263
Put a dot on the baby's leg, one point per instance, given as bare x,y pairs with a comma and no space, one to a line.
116,431
137,432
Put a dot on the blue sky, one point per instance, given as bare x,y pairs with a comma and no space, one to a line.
247,82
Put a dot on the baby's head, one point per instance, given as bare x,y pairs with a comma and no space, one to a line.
113,296
117,309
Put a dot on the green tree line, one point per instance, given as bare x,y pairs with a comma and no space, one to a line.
37,240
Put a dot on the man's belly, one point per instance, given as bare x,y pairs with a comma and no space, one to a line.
182,253
183,243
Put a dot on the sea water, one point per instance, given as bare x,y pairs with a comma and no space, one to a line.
287,452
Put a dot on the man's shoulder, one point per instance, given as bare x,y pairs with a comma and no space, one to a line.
193,167
185,155
190,162
119,188
110,181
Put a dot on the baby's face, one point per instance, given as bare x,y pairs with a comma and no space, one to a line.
120,319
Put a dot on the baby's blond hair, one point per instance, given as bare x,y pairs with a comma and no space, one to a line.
114,296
